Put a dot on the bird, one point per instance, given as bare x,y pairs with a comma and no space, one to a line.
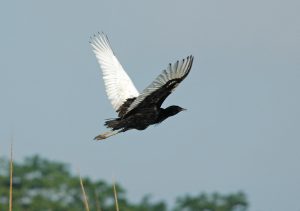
136,110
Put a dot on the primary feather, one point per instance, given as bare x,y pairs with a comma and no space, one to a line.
118,85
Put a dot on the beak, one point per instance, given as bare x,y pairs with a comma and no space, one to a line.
183,109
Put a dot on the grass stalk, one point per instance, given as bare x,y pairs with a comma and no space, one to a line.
11,179
115,195
97,202
85,200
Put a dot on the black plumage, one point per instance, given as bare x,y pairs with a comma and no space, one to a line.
144,109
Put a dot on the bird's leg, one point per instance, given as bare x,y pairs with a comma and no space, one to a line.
107,134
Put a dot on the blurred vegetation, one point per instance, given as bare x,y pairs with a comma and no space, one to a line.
43,185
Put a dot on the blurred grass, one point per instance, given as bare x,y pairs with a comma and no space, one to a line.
11,178
98,207
85,198
115,195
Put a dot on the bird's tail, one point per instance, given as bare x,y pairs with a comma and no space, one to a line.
115,124
107,134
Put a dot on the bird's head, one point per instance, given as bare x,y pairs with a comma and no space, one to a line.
172,110
168,112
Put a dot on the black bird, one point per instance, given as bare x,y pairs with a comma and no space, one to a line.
136,110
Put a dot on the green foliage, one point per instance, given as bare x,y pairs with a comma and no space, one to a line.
43,185
213,202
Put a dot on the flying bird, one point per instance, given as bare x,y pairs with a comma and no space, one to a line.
136,110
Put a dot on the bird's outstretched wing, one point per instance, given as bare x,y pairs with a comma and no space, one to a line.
118,85
163,85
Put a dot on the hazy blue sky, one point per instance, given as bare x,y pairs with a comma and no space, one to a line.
242,127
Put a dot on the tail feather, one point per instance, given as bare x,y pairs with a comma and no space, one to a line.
115,124
107,134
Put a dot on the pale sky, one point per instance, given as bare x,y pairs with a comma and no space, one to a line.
242,127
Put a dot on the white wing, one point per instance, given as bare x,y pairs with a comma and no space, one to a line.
118,85
174,75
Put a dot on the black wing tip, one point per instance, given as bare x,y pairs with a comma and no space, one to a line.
188,62
92,38
190,57
97,34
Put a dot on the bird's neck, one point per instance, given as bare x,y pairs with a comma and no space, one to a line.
164,113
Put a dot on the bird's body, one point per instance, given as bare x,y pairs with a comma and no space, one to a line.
141,118
136,111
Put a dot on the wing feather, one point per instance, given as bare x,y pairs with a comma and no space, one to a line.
176,72
118,85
